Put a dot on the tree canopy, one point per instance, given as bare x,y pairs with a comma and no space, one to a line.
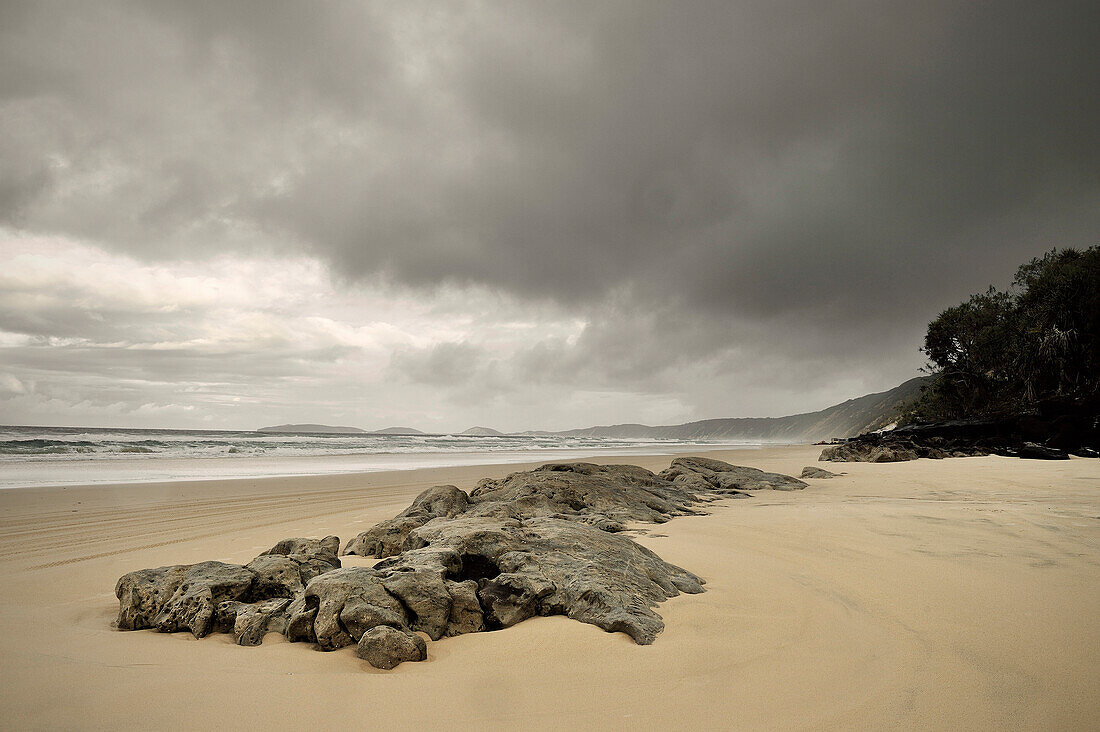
1002,352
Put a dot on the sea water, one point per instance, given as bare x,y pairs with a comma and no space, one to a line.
41,456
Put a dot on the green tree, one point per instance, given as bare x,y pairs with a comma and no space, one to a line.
1005,351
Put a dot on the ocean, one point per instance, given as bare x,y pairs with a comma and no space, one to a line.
53,456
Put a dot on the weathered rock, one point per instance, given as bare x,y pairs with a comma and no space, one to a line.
540,542
583,491
203,587
466,613
299,621
346,603
143,593
386,648
730,478
862,452
250,622
276,576
1035,451
385,538
550,566
1049,430
314,556
813,472
188,597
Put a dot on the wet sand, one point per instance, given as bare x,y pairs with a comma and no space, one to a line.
946,594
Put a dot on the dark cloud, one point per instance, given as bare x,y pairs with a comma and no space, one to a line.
751,190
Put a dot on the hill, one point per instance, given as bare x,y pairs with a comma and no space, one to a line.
313,429
855,416
481,432
398,431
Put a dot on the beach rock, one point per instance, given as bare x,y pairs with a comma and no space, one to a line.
250,622
547,541
423,593
728,478
385,538
143,593
189,597
197,595
466,614
812,472
345,603
861,452
551,566
313,556
276,576
299,621
386,648
1035,451
1050,430
582,492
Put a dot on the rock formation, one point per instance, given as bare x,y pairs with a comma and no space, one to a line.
544,542
1052,429
386,648
811,471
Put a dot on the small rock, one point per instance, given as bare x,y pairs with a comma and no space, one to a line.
386,648
812,472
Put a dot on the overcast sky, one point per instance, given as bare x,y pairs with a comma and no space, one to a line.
520,215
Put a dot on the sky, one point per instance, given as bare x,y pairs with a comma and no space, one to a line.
522,215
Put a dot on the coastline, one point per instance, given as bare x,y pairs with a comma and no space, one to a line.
37,472
956,593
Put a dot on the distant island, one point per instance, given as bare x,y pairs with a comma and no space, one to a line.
398,431
313,429
481,432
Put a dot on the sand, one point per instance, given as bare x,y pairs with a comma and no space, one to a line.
954,594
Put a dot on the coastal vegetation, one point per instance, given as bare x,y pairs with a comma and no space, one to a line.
1003,352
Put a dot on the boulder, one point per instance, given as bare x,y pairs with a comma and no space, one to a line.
276,576
202,588
386,648
385,539
812,472
1035,451
195,597
345,603
726,478
313,556
250,622
143,593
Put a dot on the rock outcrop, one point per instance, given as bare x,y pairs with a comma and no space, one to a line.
1053,430
811,471
544,542
385,538
726,478
214,595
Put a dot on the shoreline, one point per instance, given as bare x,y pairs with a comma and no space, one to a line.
957,593
19,475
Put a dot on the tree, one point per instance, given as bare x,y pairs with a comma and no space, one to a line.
1006,351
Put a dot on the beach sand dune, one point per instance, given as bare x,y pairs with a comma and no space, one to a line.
954,594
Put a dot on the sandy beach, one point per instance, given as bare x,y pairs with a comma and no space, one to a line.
953,594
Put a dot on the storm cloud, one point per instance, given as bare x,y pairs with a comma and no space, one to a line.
575,212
